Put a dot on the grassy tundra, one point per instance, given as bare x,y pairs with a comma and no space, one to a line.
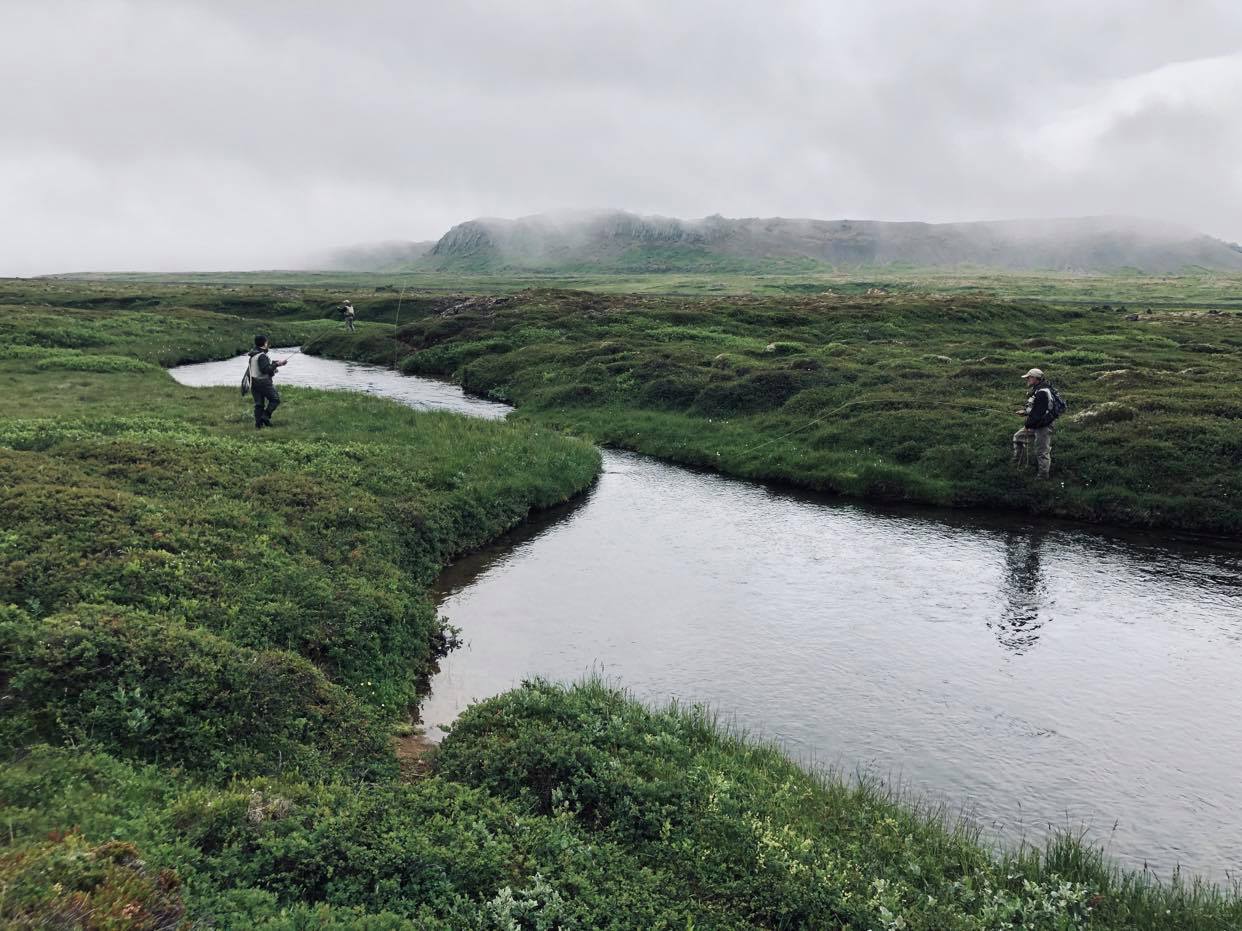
208,637
903,396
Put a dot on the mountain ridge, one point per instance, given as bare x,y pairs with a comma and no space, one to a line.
617,240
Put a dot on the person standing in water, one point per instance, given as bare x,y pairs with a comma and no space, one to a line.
262,385
348,310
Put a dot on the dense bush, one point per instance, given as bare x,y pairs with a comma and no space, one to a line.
141,686
761,391
450,356
435,854
670,393
65,882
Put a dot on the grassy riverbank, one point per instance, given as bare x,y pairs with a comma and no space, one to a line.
901,396
209,636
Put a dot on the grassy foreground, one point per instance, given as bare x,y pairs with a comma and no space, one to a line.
547,808
905,396
208,637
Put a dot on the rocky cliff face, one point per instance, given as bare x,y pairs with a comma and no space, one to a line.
610,238
465,239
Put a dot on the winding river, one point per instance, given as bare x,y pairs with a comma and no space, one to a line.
1028,673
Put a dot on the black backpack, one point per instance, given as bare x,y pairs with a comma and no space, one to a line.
1056,406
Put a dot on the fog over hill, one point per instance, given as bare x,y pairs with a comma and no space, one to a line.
615,240
375,256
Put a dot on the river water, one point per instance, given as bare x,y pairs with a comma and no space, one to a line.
1029,673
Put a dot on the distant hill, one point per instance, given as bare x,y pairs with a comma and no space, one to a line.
604,241
375,257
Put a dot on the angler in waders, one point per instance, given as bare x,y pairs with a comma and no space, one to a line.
262,371
1043,406
348,311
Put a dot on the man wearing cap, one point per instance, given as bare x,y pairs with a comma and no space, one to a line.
1036,434
348,310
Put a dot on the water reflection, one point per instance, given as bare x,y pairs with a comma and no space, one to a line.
464,571
1024,592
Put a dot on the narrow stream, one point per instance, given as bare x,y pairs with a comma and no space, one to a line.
1032,674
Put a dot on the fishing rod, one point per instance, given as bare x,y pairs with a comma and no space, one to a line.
396,325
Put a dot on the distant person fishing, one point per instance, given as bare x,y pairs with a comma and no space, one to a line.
260,375
1043,406
348,311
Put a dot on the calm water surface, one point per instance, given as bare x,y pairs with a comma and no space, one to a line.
1033,674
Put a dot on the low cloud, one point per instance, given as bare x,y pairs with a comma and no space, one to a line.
199,135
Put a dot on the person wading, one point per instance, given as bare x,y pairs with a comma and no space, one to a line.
348,311
262,372
1043,406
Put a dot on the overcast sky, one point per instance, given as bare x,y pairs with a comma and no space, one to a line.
172,134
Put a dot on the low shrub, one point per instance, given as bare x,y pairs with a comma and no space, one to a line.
573,395
908,452
670,393
446,358
66,882
149,689
1078,357
1106,412
72,360
782,348
430,855
803,364
985,373
761,391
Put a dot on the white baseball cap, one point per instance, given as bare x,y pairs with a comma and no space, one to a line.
1034,373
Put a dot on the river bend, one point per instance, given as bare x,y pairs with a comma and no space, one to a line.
1031,673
